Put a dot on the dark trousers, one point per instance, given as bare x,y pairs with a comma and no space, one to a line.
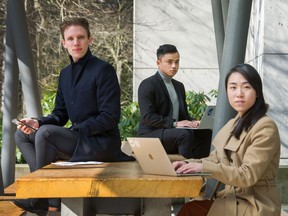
186,142
202,145
49,144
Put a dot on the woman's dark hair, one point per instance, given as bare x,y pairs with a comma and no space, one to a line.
259,108
72,22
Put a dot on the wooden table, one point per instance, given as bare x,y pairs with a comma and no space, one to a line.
113,180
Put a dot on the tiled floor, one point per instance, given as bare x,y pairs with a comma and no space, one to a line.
174,210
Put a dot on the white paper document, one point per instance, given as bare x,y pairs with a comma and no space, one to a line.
67,163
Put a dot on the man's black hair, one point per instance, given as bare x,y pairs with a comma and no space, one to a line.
164,49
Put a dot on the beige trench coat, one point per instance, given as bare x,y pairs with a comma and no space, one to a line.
248,168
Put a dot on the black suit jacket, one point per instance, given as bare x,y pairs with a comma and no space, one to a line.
91,100
156,107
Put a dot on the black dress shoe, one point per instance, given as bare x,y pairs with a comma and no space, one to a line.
37,206
54,204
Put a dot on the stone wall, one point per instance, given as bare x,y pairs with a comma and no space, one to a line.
186,24
267,50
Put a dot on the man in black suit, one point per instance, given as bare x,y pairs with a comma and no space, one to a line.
163,107
89,95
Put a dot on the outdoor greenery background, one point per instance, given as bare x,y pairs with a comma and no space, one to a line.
111,24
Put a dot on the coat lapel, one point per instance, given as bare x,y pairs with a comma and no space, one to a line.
233,144
162,84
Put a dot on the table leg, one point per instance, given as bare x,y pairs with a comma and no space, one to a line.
111,206
81,207
75,207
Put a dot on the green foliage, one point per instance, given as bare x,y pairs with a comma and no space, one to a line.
19,157
48,102
129,121
197,102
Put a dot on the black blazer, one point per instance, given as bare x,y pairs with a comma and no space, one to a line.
91,100
156,106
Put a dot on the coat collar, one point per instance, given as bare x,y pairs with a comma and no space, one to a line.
83,60
233,144
77,68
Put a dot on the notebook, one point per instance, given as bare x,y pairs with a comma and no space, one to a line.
153,158
207,120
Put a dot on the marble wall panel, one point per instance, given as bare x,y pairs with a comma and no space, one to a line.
184,23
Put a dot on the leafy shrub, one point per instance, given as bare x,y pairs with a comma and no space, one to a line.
48,102
19,157
129,121
197,102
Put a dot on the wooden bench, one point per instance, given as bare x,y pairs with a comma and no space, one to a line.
9,193
10,190
6,208
122,180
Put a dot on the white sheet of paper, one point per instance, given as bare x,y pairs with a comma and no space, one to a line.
67,163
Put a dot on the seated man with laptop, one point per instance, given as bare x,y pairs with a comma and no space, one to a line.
163,110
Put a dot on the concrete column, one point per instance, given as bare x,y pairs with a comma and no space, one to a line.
11,79
219,21
233,53
18,23
234,47
18,58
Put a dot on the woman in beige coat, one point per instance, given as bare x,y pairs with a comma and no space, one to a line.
246,155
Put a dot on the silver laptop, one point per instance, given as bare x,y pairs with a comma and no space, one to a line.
153,158
207,120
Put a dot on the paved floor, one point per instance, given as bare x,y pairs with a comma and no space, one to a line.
9,210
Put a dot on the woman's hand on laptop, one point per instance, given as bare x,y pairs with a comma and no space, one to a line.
184,167
186,123
178,164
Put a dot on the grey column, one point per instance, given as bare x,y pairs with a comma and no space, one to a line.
17,20
234,48
18,58
219,22
233,53
11,80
